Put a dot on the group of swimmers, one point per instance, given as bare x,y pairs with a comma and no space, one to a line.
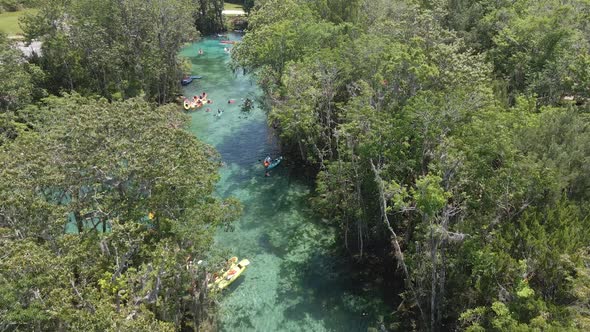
197,102
201,99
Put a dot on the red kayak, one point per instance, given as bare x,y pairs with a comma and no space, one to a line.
228,41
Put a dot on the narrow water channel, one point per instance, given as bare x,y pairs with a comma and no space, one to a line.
297,280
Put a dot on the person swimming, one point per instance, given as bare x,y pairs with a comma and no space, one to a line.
201,51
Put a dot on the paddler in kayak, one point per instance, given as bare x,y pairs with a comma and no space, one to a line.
266,163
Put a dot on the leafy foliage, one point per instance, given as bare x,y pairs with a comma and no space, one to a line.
449,139
117,49
209,18
19,80
105,210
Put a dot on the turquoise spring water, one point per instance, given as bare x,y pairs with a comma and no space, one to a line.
298,280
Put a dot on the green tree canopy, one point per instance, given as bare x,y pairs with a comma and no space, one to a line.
19,80
117,49
445,146
104,207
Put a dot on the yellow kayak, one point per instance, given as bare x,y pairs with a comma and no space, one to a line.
229,276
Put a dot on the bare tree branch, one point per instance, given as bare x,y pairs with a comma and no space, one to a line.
394,239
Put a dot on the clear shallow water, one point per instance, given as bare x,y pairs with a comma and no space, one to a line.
297,280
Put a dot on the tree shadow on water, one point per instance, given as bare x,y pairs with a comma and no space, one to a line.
247,145
266,244
318,285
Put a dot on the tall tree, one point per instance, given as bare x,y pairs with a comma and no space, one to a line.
209,16
109,206
116,49
19,80
427,159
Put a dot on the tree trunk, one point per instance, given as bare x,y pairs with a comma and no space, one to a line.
79,223
433,248
395,242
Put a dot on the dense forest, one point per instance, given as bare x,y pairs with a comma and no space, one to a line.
107,211
449,142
